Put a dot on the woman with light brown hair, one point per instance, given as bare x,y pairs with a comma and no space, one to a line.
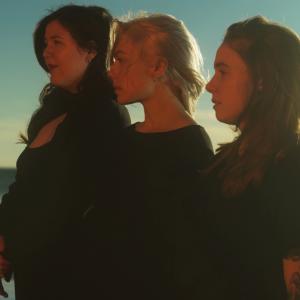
253,214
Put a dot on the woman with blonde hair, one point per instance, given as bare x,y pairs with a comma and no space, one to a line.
157,62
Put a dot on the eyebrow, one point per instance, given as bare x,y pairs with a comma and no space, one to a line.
54,37
120,52
220,65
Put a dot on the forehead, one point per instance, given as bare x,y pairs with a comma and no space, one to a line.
228,57
126,45
55,28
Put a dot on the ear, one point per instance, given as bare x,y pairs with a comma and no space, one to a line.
91,51
159,67
90,55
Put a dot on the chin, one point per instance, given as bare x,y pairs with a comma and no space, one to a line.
222,119
57,83
53,81
226,121
123,101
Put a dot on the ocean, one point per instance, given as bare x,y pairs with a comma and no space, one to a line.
6,178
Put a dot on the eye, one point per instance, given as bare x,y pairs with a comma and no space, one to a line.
118,59
222,71
57,42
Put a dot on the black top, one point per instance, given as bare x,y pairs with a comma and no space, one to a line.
162,160
55,185
152,219
249,235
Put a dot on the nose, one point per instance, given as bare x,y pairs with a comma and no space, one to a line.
210,86
47,51
111,71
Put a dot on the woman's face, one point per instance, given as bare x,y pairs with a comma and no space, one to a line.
130,72
65,60
231,86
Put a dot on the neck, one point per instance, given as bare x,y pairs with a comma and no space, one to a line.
164,112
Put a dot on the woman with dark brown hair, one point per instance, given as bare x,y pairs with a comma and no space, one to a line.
69,161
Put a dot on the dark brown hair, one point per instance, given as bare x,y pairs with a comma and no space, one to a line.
90,28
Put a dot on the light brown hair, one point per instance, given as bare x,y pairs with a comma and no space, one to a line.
272,54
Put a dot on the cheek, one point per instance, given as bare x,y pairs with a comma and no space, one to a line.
139,88
244,92
81,68
132,78
234,101
238,89
77,66
120,75
238,103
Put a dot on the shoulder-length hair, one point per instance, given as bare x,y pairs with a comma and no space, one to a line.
177,45
90,27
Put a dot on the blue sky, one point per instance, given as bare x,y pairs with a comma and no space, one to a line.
21,78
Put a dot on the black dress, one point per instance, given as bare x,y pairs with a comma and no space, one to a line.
41,215
249,235
150,225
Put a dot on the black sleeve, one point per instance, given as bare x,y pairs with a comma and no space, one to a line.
282,190
289,210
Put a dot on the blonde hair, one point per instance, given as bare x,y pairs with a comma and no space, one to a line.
177,45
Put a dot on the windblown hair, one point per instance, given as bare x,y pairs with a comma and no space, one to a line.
272,54
176,44
90,27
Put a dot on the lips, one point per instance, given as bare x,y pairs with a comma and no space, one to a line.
51,67
215,101
117,88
